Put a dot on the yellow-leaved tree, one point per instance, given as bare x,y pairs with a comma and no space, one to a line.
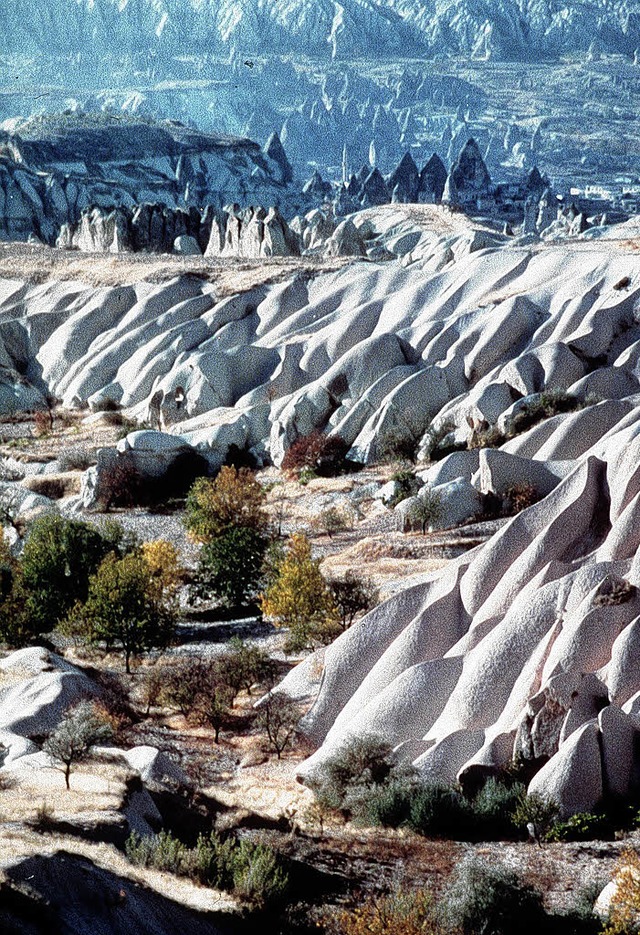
299,598
161,558
234,498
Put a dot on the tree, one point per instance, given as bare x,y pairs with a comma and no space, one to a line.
71,741
278,715
234,498
230,566
58,560
352,596
126,607
298,597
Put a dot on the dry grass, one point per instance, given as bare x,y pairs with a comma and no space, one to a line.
37,264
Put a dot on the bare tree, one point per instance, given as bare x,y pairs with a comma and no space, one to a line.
278,715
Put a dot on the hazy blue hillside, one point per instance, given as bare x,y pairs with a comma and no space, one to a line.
352,28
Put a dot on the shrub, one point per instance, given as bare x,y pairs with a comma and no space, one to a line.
407,485
53,487
352,596
332,521
427,510
234,498
120,484
257,875
519,497
583,826
159,852
75,459
299,598
490,437
438,810
490,899
537,813
324,454
44,819
402,912
252,871
396,446
388,804
624,910
434,438
359,764
43,421
550,403
494,807
81,727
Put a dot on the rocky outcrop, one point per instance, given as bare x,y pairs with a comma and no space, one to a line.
111,183
254,233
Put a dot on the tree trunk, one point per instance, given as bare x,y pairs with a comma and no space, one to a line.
67,773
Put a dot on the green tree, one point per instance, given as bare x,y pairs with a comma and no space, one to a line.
59,557
125,608
70,742
234,498
299,598
230,566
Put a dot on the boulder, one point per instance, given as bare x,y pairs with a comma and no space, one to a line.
155,767
186,246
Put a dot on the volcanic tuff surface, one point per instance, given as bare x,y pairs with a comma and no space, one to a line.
527,644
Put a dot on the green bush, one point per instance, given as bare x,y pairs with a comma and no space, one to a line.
257,875
490,899
494,807
407,485
396,446
427,510
389,804
583,826
358,765
438,810
253,872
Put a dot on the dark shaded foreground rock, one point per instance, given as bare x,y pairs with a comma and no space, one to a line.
63,892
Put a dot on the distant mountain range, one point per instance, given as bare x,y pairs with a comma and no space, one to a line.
502,29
